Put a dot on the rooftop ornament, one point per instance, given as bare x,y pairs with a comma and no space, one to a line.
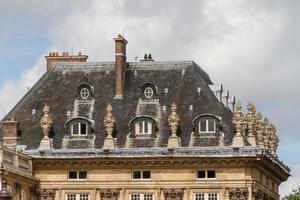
238,120
173,125
250,121
109,123
46,123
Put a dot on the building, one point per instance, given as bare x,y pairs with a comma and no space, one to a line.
144,130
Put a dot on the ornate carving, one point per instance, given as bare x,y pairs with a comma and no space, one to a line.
46,121
259,129
173,124
250,120
173,120
238,119
258,194
109,194
173,194
109,121
238,194
266,134
47,194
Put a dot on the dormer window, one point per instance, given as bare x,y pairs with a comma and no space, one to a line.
84,93
207,126
143,127
79,128
148,92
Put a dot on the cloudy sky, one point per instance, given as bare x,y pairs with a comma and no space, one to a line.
252,47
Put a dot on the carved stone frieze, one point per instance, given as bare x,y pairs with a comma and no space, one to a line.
173,194
238,194
109,194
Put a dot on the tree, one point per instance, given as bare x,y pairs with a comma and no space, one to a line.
295,195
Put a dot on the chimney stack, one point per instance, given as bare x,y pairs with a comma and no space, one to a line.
120,65
10,132
64,57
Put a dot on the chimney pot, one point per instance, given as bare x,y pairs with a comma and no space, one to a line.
10,132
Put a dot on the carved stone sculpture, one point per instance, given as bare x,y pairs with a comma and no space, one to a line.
109,123
173,194
109,194
259,130
250,120
273,139
238,194
46,123
173,125
238,120
258,194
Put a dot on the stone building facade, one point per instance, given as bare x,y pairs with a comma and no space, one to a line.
146,130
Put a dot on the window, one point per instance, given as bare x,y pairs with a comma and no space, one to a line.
77,175
143,127
206,196
79,129
78,197
207,126
148,92
141,175
206,174
84,93
141,197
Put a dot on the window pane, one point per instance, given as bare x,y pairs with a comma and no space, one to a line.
84,197
136,175
83,129
72,175
146,175
75,128
203,126
148,196
82,175
135,197
211,125
71,196
201,174
199,196
140,127
145,127
212,196
211,174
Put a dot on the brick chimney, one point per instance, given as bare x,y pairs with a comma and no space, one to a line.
64,57
10,132
120,65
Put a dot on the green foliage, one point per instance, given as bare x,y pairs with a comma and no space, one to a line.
295,195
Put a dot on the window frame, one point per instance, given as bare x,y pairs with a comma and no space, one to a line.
84,93
207,126
149,127
77,195
79,129
206,195
142,175
206,174
146,90
77,175
141,195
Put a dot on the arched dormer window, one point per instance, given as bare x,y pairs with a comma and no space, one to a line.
143,125
206,124
149,91
85,92
79,127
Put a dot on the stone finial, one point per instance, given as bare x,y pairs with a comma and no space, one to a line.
250,120
238,120
259,129
46,123
109,123
173,125
272,141
265,131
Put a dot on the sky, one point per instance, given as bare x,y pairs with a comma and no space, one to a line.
250,46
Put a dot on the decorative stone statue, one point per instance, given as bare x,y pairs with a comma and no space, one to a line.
238,120
250,120
258,128
46,123
273,140
266,134
173,125
109,123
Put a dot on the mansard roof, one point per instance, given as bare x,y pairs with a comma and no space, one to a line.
58,88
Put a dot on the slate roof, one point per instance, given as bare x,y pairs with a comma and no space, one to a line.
58,88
